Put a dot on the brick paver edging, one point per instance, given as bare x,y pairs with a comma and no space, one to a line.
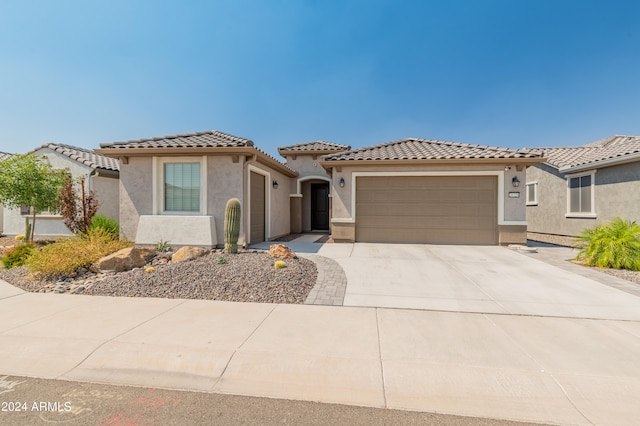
331,283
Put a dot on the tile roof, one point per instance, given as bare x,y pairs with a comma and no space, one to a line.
423,149
209,139
315,146
610,148
85,156
4,156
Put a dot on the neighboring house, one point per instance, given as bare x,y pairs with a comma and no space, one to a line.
578,187
3,156
310,199
175,188
101,175
426,191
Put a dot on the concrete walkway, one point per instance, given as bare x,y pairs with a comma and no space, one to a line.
551,370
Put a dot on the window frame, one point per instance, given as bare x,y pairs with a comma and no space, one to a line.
25,211
159,185
589,214
535,193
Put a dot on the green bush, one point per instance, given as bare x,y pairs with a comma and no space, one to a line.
612,245
163,246
17,255
70,254
106,223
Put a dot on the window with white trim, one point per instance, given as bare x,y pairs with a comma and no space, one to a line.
181,187
532,193
580,195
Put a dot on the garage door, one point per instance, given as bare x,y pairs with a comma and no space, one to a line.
427,209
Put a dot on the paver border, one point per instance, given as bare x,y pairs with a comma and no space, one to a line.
331,284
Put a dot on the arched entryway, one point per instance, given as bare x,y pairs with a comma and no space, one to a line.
311,205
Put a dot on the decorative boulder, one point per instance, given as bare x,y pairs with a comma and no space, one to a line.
280,251
188,253
124,260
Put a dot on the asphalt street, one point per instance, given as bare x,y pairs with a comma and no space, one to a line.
29,401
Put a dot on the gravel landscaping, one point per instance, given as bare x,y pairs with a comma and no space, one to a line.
633,276
248,276
556,240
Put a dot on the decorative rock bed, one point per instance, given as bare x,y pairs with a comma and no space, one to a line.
248,276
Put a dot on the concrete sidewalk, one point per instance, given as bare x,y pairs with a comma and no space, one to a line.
552,370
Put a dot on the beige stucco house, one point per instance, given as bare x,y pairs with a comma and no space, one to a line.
579,187
175,189
101,175
426,191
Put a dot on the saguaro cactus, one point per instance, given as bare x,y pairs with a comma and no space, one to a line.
232,225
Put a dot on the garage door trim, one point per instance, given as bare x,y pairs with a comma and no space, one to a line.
498,173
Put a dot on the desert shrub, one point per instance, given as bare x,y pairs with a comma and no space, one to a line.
17,255
70,254
77,205
611,245
163,246
106,223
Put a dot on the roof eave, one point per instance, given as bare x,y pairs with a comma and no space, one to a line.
504,160
267,160
607,162
107,172
197,151
310,151
179,150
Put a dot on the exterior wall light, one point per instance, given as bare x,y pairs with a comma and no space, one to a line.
275,184
515,182
341,182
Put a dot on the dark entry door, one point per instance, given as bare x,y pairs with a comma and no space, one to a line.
320,206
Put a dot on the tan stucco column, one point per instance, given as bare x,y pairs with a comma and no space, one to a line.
295,206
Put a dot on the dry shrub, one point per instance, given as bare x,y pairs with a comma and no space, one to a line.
70,254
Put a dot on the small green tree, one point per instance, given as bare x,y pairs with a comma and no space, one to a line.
27,180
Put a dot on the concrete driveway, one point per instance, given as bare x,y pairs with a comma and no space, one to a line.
485,279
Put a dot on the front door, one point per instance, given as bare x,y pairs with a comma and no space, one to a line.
320,206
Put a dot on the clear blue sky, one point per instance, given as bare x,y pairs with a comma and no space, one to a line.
511,73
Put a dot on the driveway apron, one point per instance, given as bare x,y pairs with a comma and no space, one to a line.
487,279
